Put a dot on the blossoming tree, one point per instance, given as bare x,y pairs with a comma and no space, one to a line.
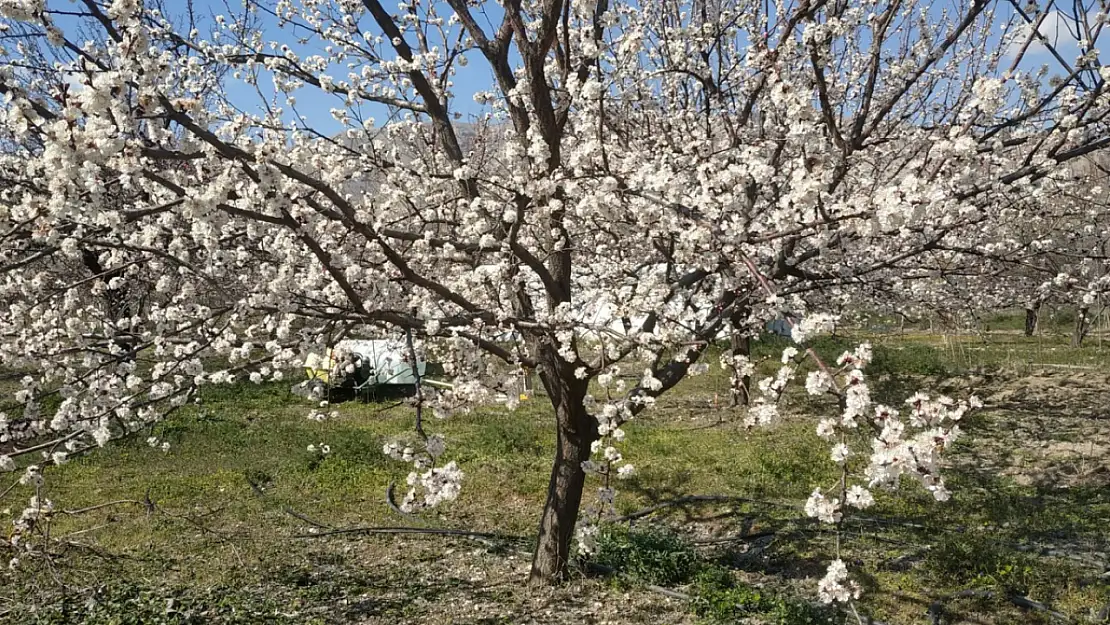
1039,247
694,168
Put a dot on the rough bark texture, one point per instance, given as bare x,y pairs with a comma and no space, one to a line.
740,344
576,431
116,300
1031,315
1082,326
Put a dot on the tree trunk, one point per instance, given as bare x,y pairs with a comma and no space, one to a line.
1031,314
742,386
576,431
740,343
116,300
1082,326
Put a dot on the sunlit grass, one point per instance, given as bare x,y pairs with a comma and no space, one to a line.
238,465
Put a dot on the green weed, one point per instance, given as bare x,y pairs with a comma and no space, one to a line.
647,555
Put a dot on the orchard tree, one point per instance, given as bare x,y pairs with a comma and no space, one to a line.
1042,246
284,171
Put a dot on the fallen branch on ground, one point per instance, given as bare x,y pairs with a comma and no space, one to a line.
414,530
666,592
257,488
681,596
734,539
936,609
697,500
691,500
105,505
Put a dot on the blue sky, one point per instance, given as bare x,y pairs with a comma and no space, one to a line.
476,76
1059,30
315,105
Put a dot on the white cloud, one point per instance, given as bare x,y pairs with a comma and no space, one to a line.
74,80
1057,29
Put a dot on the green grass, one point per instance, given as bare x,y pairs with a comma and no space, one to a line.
720,598
659,556
221,541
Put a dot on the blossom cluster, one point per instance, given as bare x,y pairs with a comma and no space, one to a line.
429,485
899,447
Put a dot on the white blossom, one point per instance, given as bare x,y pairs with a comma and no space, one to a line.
859,497
835,586
824,509
811,326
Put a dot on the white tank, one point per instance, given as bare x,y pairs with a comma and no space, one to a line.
384,361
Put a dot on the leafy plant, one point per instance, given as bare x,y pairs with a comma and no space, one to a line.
658,555
720,598
976,561
648,555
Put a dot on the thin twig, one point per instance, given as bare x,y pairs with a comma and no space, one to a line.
257,488
389,407
734,539
667,592
103,505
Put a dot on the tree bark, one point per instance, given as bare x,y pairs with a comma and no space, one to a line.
1032,312
116,300
576,431
741,344
1082,326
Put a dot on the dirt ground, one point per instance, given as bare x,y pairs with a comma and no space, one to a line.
1050,428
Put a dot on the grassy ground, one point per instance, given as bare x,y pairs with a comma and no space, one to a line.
221,528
